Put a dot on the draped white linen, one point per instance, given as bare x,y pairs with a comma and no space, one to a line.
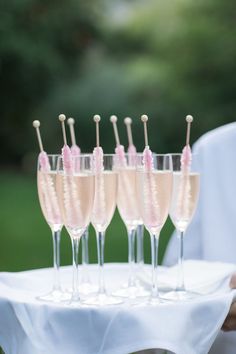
28,326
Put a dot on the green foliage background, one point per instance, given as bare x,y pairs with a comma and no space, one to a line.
163,58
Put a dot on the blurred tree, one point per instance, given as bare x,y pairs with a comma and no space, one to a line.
182,57
41,44
164,58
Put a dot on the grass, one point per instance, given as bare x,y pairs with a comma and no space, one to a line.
25,241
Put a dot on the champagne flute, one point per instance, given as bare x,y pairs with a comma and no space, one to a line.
132,154
154,188
85,285
46,181
127,203
103,211
183,205
76,196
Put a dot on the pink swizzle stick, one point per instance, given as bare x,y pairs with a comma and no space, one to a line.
51,203
147,153
43,157
98,165
66,152
153,208
98,151
75,150
119,150
132,152
184,186
74,147
186,157
73,212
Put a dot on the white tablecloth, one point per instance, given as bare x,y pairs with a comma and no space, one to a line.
28,326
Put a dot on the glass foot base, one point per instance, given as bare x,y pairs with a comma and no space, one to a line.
180,295
87,288
56,296
103,300
131,292
74,301
151,301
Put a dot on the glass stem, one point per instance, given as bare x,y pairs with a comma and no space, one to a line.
56,237
139,234
100,249
181,286
85,257
154,251
131,256
75,252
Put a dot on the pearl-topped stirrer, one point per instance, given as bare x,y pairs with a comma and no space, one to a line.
99,201
144,119
97,151
113,120
97,119
186,157
51,204
62,119
43,157
66,152
189,120
71,122
147,154
119,150
128,122
36,125
131,148
75,149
